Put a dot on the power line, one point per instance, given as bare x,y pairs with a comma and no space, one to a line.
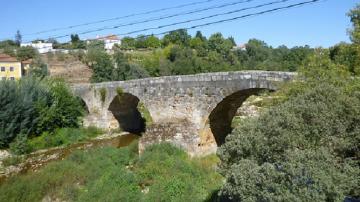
183,22
204,18
121,17
237,18
166,17
243,16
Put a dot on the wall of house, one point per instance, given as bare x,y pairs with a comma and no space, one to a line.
16,74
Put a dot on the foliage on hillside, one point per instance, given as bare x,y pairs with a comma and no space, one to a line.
178,53
162,173
31,106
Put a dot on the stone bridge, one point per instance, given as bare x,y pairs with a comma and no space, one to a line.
194,111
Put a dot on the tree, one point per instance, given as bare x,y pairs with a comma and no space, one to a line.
152,42
101,64
76,43
126,71
179,37
128,43
219,44
32,105
354,15
18,38
25,53
200,36
96,44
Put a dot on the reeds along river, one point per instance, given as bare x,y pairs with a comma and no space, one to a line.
36,160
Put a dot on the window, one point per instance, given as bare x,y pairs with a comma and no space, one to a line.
11,69
3,69
12,78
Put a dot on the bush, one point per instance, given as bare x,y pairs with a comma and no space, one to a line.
31,106
20,145
305,149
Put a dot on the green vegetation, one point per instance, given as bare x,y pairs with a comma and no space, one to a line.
32,106
178,53
102,92
63,137
119,91
162,173
145,113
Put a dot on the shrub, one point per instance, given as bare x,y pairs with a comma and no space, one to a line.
20,145
304,149
32,106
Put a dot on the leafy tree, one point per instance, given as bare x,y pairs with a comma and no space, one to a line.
200,36
31,106
101,64
126,71
7,43
219,44
152,42
63,111
96,44
128,43
354,15
179,37
76,43
25,53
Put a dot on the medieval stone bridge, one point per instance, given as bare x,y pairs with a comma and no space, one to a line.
193,111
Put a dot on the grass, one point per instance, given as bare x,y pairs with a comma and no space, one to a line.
109,174
12,160
63,137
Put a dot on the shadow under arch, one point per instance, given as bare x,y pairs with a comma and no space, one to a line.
222,115
124,107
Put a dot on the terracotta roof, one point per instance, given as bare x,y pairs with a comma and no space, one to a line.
7,58
29,61
110,37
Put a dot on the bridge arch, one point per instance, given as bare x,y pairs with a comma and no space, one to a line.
220,118
125,109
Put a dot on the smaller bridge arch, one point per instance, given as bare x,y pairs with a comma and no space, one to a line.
124,108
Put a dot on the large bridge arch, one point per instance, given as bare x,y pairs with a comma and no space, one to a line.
221,116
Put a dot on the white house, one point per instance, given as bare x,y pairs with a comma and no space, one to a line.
40,46
109,41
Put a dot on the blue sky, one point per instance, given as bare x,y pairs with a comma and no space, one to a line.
320,24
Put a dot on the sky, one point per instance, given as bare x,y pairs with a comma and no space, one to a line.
320,24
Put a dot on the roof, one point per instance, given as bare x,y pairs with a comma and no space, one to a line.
7,58
29,61
109,37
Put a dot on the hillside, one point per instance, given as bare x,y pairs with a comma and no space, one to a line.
67,67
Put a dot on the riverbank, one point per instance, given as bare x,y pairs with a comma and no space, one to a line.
12,164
